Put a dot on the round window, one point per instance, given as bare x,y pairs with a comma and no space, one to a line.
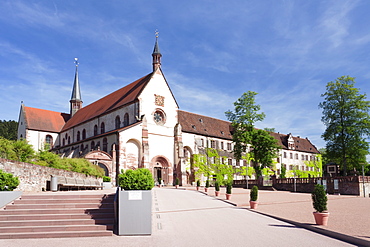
158,117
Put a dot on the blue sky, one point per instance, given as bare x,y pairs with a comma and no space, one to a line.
212,52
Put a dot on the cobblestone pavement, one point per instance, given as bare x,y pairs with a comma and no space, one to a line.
349,215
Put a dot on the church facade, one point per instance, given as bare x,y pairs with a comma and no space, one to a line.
141,125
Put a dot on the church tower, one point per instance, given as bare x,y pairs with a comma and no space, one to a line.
156,54
75,102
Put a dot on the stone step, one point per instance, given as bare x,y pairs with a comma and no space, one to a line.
55,216
66,196
62,234
58,216
52,228
60,206
55,211
54,222
58,201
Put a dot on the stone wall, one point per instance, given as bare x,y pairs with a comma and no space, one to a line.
34,178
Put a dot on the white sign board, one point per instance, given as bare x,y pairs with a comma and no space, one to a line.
135,196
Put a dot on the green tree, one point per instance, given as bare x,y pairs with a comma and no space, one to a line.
347,121
264,147
7,181
8,129
24,151
242,120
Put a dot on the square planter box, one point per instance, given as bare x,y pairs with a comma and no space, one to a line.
134,212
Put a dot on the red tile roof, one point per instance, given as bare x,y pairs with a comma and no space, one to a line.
202,125
39,119
300,144
121,97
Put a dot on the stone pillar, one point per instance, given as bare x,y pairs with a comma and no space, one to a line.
145,146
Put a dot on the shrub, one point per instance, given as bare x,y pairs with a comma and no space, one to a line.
106,179
217,185
254,193
198,183
7,181
228,187
140,179
207,183
319,198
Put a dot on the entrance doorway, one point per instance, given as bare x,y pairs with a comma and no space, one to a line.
106,172
158,174
161,171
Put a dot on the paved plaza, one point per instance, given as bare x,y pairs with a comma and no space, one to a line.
186,217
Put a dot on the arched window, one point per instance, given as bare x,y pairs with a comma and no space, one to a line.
64,142
118,122
69,140
105,145
125,120
102,128
95,130
84,134
49,142
92,145
78,136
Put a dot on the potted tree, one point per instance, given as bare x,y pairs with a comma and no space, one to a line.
198,184
228,190
207,186
253,197
107,182
134,202
319,201
177,183
217,188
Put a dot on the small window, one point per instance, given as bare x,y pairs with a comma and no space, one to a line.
126,120
102,128
222,145
95,130
118,122
84,134
105,145
213,144
296,156
78,136
229,147
291,155
49,141
92,145
202,142
284,154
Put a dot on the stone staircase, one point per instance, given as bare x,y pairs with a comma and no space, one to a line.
58,215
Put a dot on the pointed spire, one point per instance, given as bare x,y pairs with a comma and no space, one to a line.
76,101
76,93
156,53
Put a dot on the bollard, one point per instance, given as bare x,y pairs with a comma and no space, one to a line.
54,183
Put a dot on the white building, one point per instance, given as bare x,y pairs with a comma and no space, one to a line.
140,125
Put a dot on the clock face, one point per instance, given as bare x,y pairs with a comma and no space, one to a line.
158,117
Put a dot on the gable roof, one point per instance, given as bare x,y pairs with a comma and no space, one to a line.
300,144
44,120
121,97
202,125
207,126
